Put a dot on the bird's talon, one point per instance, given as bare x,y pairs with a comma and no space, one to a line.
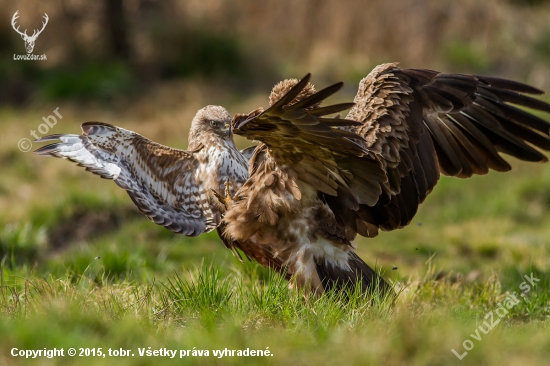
227,192
228,198
218,196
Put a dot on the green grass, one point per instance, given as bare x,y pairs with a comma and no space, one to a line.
209,308
79,267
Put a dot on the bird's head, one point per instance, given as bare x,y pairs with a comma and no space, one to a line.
283,87
211,120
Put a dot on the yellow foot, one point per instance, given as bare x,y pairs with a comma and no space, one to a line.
227,192
225,200
228,197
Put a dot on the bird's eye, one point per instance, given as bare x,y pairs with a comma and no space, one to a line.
214,124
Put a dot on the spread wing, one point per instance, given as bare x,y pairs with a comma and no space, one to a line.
422,123
312,148
159,180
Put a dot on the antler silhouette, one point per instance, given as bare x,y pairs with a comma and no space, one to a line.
13,19
35,34
29,41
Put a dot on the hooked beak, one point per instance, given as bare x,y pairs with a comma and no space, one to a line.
240,120
227,129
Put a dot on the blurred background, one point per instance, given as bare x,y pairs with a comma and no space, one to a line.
148,66
117,49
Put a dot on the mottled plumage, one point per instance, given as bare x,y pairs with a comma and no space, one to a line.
316,182
171,187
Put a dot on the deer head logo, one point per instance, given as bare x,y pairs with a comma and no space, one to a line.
29,40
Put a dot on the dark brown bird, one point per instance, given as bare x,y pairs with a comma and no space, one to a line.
316,182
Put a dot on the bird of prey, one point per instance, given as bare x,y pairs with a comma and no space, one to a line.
171,187
316,182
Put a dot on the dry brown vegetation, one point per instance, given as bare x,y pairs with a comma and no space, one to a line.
261,41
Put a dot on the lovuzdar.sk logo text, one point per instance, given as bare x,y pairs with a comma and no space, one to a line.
29,40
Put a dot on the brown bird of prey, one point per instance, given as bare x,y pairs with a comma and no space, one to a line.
172,187
317,182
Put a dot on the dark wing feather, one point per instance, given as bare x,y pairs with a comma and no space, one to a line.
159,180
422,123
317,151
